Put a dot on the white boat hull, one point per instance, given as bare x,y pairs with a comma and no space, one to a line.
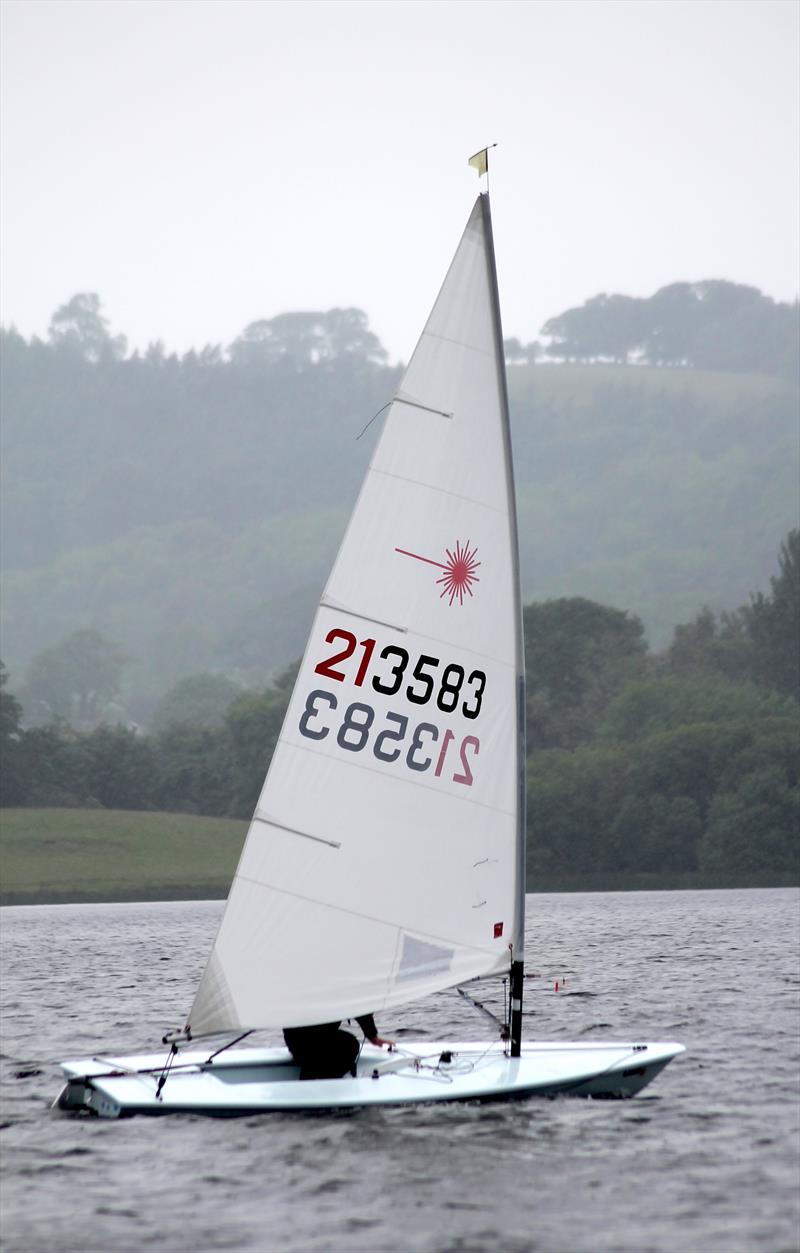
246,1081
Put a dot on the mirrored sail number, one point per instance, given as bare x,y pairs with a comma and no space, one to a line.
427,681
393,742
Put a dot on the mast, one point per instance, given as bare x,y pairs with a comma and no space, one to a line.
518,937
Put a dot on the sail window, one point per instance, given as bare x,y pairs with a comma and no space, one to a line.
421,958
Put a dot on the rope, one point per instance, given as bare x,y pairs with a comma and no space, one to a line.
484,1010
372,419
230,1045
173,1052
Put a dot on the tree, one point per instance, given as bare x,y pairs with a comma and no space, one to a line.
56,765
573,798
13,780
75,680
739,328
671,325
517,353
577,655
710,646
647,707
194,770
756,826
120,768
80,327
253,724
656,833
199,700
712,324
609,327
308,339
10,711
773,623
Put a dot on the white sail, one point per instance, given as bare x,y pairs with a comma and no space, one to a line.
382,862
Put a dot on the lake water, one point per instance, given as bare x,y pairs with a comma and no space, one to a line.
707,1158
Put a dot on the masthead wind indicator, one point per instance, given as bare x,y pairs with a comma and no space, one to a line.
480,160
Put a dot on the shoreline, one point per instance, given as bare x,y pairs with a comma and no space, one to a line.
101,856
145,894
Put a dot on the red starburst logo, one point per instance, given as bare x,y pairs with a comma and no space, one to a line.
459,571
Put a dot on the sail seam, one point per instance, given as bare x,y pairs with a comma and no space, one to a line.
442,491
459,343
326,603
356,765
470,652
356,913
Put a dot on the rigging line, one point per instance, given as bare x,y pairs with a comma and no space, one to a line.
143,1074
243,1036
118,1069
481,1056
372,419
480,1006
173,1053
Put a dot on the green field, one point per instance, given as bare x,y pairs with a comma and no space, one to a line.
59,856
54,856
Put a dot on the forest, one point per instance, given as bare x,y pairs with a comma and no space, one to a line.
167,522
660,764
188,508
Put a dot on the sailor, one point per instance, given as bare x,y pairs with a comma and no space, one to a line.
328,1052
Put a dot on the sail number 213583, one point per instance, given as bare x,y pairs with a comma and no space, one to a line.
419,747
392,662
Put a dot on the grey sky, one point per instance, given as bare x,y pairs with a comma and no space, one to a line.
202,164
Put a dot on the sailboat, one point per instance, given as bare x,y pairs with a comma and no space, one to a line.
385,860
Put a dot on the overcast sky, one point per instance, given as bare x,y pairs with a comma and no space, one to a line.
201,164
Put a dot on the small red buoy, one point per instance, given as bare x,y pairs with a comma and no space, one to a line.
556,985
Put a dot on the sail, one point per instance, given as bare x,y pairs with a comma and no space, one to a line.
383,859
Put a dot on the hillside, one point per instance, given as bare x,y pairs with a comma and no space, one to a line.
62,856
656,490
59,855
190,509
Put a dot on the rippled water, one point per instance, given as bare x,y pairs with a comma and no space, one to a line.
706,1158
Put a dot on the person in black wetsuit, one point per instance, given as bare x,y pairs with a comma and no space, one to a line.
327,1052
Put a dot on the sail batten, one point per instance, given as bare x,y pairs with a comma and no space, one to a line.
422,890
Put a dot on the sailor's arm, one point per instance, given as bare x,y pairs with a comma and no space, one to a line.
367,1024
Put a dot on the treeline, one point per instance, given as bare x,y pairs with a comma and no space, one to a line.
711,325
661,764
100,442
213,766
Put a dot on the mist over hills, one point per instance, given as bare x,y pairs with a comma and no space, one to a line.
189,508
